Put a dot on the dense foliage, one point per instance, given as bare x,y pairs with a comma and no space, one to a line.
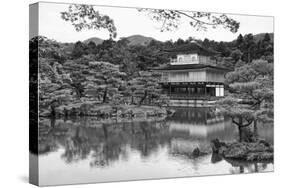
116,72
250,97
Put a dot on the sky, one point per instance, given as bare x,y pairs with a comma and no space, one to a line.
129,21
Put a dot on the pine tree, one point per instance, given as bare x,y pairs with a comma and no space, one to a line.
251,98
146,87
79,49
239,41
248,47
103,80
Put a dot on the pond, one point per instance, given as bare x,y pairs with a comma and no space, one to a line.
85,150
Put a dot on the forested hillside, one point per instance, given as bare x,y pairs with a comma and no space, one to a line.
117,72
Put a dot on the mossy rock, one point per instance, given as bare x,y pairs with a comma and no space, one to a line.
246,151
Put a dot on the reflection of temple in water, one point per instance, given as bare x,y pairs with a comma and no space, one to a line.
200,123
196,127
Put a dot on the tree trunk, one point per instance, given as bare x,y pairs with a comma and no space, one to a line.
53,122
132,99
77,133
105,132
77,90
143,98
104,96
255,128
53,111
240,128
240,134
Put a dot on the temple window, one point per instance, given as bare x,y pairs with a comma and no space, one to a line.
180,59
193,58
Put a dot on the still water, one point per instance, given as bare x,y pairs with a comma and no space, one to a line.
86,150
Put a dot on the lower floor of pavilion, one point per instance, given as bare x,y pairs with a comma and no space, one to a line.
193,90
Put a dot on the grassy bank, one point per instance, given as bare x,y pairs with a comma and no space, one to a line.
107,111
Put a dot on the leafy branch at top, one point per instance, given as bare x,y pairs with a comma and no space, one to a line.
86,17
170,19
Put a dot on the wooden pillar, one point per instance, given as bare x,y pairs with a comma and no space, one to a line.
169,88
195,90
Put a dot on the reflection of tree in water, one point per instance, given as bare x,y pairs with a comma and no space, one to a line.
46,143
106,143
147,139
143,136
240,166
77,147
109,150
110,142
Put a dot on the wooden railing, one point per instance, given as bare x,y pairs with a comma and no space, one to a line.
192,97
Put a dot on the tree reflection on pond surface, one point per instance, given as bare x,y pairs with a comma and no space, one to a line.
85,150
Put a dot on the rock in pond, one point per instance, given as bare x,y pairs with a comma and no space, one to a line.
197,153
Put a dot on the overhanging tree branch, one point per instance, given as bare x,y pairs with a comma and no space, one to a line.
197,20
87,17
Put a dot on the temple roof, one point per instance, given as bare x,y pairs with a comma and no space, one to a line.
191,66
192,47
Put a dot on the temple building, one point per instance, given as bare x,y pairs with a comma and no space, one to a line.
192,78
